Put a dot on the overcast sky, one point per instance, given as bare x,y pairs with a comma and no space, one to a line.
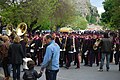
98,4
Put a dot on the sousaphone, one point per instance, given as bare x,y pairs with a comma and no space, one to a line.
9,29
21,29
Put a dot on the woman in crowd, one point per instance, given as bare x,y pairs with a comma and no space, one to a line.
16,56
4,54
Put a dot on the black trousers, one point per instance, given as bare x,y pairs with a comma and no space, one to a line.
69,59
61,58
51,74
16,71
5,66
96,57
85,57
119,60
77,60
117,57
119,65
111,56
39,56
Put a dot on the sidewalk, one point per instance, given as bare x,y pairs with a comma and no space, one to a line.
84,73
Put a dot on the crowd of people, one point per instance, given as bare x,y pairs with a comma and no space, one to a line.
54,50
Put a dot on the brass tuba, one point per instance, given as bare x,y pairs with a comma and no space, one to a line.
9,29
21,29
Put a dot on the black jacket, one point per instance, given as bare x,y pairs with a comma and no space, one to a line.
69,43
15,53
106,45
31,75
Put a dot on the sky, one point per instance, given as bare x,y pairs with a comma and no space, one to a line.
98,4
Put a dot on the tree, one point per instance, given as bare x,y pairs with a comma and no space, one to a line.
39,14
36,13
110,18
79,23
92,17
63,13
116,14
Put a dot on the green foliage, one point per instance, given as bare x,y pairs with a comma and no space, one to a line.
44,14
111,17
11,15
92,17
33,12
79,23
93,20
88,18
63,14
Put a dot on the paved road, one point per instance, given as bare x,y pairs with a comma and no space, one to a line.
84,73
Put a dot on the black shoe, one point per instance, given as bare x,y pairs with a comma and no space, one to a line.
100,70
97,65
61,65
38,65
107,69
90,65
74,64
77,68
66,67
85,64
116,63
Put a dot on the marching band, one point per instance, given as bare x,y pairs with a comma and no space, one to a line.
73,46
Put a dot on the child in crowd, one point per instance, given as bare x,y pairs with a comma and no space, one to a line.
25,60
31,74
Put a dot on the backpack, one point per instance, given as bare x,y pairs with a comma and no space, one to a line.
29,75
